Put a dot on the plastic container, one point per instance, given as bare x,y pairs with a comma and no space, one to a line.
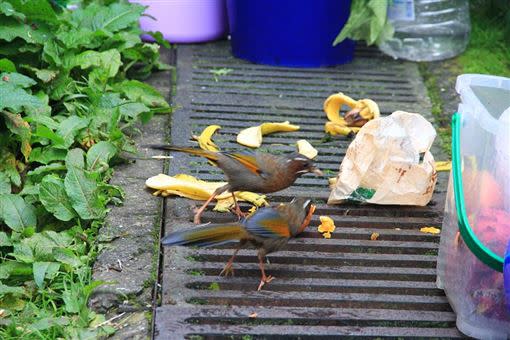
476,227
185,21
427,30
297,33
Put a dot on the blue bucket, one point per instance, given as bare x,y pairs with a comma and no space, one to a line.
296,33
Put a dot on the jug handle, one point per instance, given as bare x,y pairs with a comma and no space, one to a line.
483,253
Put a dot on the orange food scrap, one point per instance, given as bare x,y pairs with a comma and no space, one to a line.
326,227
430,230
374,236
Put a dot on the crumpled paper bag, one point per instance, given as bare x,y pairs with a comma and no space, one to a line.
389,162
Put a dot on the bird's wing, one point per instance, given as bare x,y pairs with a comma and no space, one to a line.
267,222
247,159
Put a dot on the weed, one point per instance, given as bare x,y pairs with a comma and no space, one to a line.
219,72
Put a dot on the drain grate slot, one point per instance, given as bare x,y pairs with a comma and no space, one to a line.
348,285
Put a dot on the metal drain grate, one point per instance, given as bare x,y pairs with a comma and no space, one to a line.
348,285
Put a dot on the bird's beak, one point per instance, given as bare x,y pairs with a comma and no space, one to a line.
316,171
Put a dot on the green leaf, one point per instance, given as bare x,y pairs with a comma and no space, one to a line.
35,9
6,64
47,323
5,184
70,127
136,110
39,269
67,256
32,34
14,268
54,198
23,253
11,290
17,79
110,18
4,240
16,213
7,10
61,239
158,37
100,154
13,97
75,158
45,132
47,155
137,91
83,194
367,22
71,302
41,119
43,169
107,61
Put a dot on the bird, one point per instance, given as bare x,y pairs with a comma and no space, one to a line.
268,230
248,170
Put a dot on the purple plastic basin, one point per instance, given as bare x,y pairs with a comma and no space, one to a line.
185,21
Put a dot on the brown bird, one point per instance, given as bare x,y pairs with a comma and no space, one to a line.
253,171
268,230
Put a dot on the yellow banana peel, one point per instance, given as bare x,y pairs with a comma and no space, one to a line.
430,230
340,129
204,140
252,136
361,112
443,166
190,187
305,148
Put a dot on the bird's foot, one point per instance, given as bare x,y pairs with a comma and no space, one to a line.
227,270
196,217
264,280
240,214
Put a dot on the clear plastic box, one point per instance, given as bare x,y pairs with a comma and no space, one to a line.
470,262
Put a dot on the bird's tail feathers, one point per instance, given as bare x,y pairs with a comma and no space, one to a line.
206,236
212,156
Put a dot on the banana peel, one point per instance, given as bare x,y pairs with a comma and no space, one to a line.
252,136
306,149
339,129
361,112
190,187
205,139
443,166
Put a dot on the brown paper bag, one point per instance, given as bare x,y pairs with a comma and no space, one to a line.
389,162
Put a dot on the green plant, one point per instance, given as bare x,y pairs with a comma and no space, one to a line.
68,104
368,22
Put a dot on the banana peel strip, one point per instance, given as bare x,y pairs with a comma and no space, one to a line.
205,139
252,136
361,112
306,149
184,185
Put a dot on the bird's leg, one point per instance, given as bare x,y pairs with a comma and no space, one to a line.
264,279
237,210
200,210
228,267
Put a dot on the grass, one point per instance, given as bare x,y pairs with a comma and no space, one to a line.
488,51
